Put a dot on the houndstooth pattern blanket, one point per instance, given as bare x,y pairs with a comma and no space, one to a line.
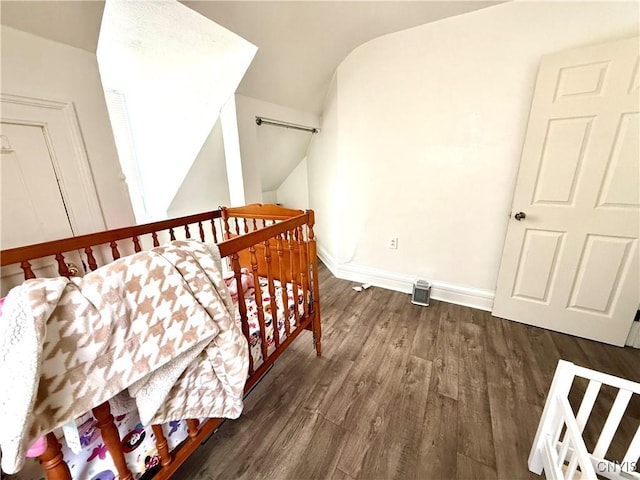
159,323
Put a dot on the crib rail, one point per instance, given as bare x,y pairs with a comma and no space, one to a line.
558,447
275,243
206,224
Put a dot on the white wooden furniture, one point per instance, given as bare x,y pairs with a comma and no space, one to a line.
559,448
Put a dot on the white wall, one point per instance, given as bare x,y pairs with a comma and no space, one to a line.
269,154
270,196
294,191
36,67
205,187
430,125
325,183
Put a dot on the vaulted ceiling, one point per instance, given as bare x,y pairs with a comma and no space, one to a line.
300,43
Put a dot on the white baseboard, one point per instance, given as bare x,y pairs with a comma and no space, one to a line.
446,292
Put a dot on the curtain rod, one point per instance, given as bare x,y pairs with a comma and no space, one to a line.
278,123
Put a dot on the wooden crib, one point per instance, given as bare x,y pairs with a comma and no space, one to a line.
274,243
559,447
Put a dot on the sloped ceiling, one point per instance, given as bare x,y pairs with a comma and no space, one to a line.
74,23
301,43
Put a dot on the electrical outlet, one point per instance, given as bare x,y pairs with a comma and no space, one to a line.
393,243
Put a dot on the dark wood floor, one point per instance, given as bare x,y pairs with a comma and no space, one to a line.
404,392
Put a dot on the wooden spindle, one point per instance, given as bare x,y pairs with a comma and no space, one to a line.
136,244
63,270
304,270
192,427
26,269
162,445
255,224
154,236
237,226
187,233
201,231
213,230
293,263
111,439
225,223
272,294
91,260
52,461
259,306
172,234
246,226
242,306
264,223
114,250
283,284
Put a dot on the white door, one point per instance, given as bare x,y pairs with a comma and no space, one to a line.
46,189
32,207
570,261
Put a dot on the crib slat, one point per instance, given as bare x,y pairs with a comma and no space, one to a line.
154,236
611,425
114,250
272,294
52,462
213,230
586,406
633,452
304,268
26,268
111,439
162,445
258,294
242,306
172,234
63,270
136,244
283,284
201,231
186,231
294,277
91,260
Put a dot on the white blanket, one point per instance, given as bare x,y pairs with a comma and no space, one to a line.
159,323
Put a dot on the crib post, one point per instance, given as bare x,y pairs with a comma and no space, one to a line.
52,461
560,387
317,329
111,439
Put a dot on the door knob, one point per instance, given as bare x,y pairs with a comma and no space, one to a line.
520,216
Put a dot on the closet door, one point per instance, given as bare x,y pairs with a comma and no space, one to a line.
570,261
46,190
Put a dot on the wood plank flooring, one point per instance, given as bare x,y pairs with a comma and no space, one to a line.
404,392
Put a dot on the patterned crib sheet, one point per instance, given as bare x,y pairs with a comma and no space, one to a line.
94,462
282,313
